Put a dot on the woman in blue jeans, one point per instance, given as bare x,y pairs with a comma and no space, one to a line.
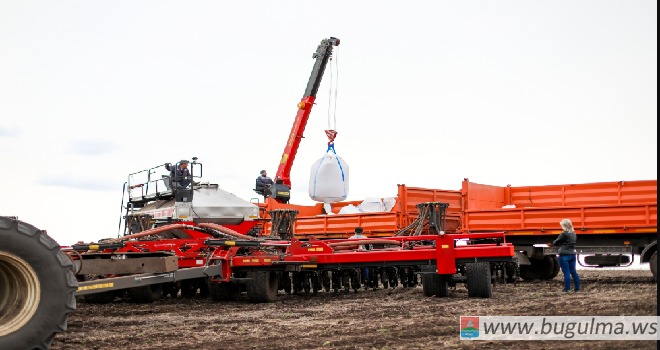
567,255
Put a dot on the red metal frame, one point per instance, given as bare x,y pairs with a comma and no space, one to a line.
293,143
318,252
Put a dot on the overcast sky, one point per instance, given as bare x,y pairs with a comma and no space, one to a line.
430,92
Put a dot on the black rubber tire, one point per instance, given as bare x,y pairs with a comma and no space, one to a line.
57,285
434,285
537,269
262,287
224,291
479,284
653,265
554,269
146,294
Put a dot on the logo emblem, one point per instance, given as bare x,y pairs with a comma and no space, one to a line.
469,327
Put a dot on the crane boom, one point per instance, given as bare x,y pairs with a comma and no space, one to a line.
281,189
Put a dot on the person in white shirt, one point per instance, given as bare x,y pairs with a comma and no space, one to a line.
358,235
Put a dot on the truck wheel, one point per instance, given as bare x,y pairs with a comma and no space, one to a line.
262,288
537,269
653,264
553,269
479,283
146,294
37,286
433,285
224,291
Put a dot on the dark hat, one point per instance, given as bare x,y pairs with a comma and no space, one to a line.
263,171
184,162
359,230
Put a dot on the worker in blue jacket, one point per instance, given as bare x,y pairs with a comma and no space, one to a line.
263,183
180,173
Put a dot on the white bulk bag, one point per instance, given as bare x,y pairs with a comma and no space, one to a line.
328,208
328,180
372,205
389,203
349,209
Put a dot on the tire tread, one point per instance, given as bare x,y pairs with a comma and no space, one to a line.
45,336
479,283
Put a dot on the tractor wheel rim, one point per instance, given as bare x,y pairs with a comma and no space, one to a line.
20,295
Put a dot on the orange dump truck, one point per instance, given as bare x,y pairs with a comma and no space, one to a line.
615,221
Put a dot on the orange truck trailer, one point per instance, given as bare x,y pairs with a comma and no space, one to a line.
615,221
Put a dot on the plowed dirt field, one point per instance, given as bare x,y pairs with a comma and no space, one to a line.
382,319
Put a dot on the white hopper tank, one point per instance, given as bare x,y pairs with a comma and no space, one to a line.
210,204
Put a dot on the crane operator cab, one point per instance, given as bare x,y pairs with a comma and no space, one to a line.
265,186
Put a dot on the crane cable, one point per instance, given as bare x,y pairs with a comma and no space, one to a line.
332,132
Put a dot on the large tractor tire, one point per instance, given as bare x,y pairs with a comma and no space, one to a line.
538,269
434,285
479,284
146,294
224,291
36,287
653,264
262,286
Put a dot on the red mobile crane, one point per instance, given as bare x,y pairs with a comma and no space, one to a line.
280,191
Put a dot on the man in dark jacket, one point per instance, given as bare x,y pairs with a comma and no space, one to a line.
568,255
180,173
263,183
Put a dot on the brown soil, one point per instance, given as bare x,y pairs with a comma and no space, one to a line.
383,319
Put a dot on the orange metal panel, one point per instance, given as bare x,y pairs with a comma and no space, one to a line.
484,196
624,192
331,226
619,216
417,195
